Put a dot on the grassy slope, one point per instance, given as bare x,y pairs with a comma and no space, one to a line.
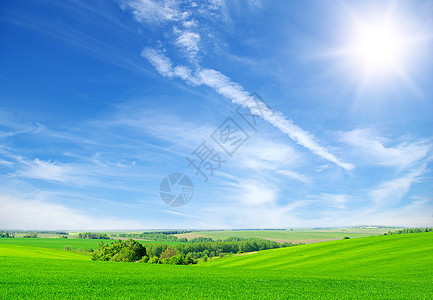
17,252
377,267
283,235
61,243
396,256
51,243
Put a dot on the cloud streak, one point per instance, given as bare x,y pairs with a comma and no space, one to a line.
233,91
148,11
372,148
392,192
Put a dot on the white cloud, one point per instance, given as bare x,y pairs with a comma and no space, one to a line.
6,163
190,23
162,63
295,175
266,153
373,150
233,91
330,200
252,192
52,171
154,11
392,192
44,170
17,213
188,41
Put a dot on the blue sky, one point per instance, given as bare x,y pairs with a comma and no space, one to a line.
99,101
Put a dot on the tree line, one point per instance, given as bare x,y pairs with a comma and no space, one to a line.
180,254
410,230
152,236
93,236
7,234
30,235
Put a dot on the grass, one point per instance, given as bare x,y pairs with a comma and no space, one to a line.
385,267
19,252
51,243
395,256
61,243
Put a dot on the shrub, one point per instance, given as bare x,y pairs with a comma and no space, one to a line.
144,259
154,260
346,238
67,248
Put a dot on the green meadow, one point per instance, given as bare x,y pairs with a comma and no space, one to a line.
58,243
380,267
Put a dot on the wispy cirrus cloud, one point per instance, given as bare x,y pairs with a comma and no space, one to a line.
372,149
187,40
295,175
233,91
329,200
51,171
154,11
391,192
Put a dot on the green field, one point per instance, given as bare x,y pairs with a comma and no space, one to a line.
61,243
382,267
395,256
294,236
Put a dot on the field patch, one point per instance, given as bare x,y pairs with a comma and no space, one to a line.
281,236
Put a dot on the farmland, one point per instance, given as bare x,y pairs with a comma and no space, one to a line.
398,266
295,236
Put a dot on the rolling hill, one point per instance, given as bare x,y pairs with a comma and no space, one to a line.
382,267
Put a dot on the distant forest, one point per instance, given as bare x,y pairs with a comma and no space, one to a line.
410,230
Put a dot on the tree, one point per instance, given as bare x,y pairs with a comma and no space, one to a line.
125,251
125,255
156,249
178,259
169,252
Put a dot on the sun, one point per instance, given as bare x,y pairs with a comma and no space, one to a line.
380,50
378,47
